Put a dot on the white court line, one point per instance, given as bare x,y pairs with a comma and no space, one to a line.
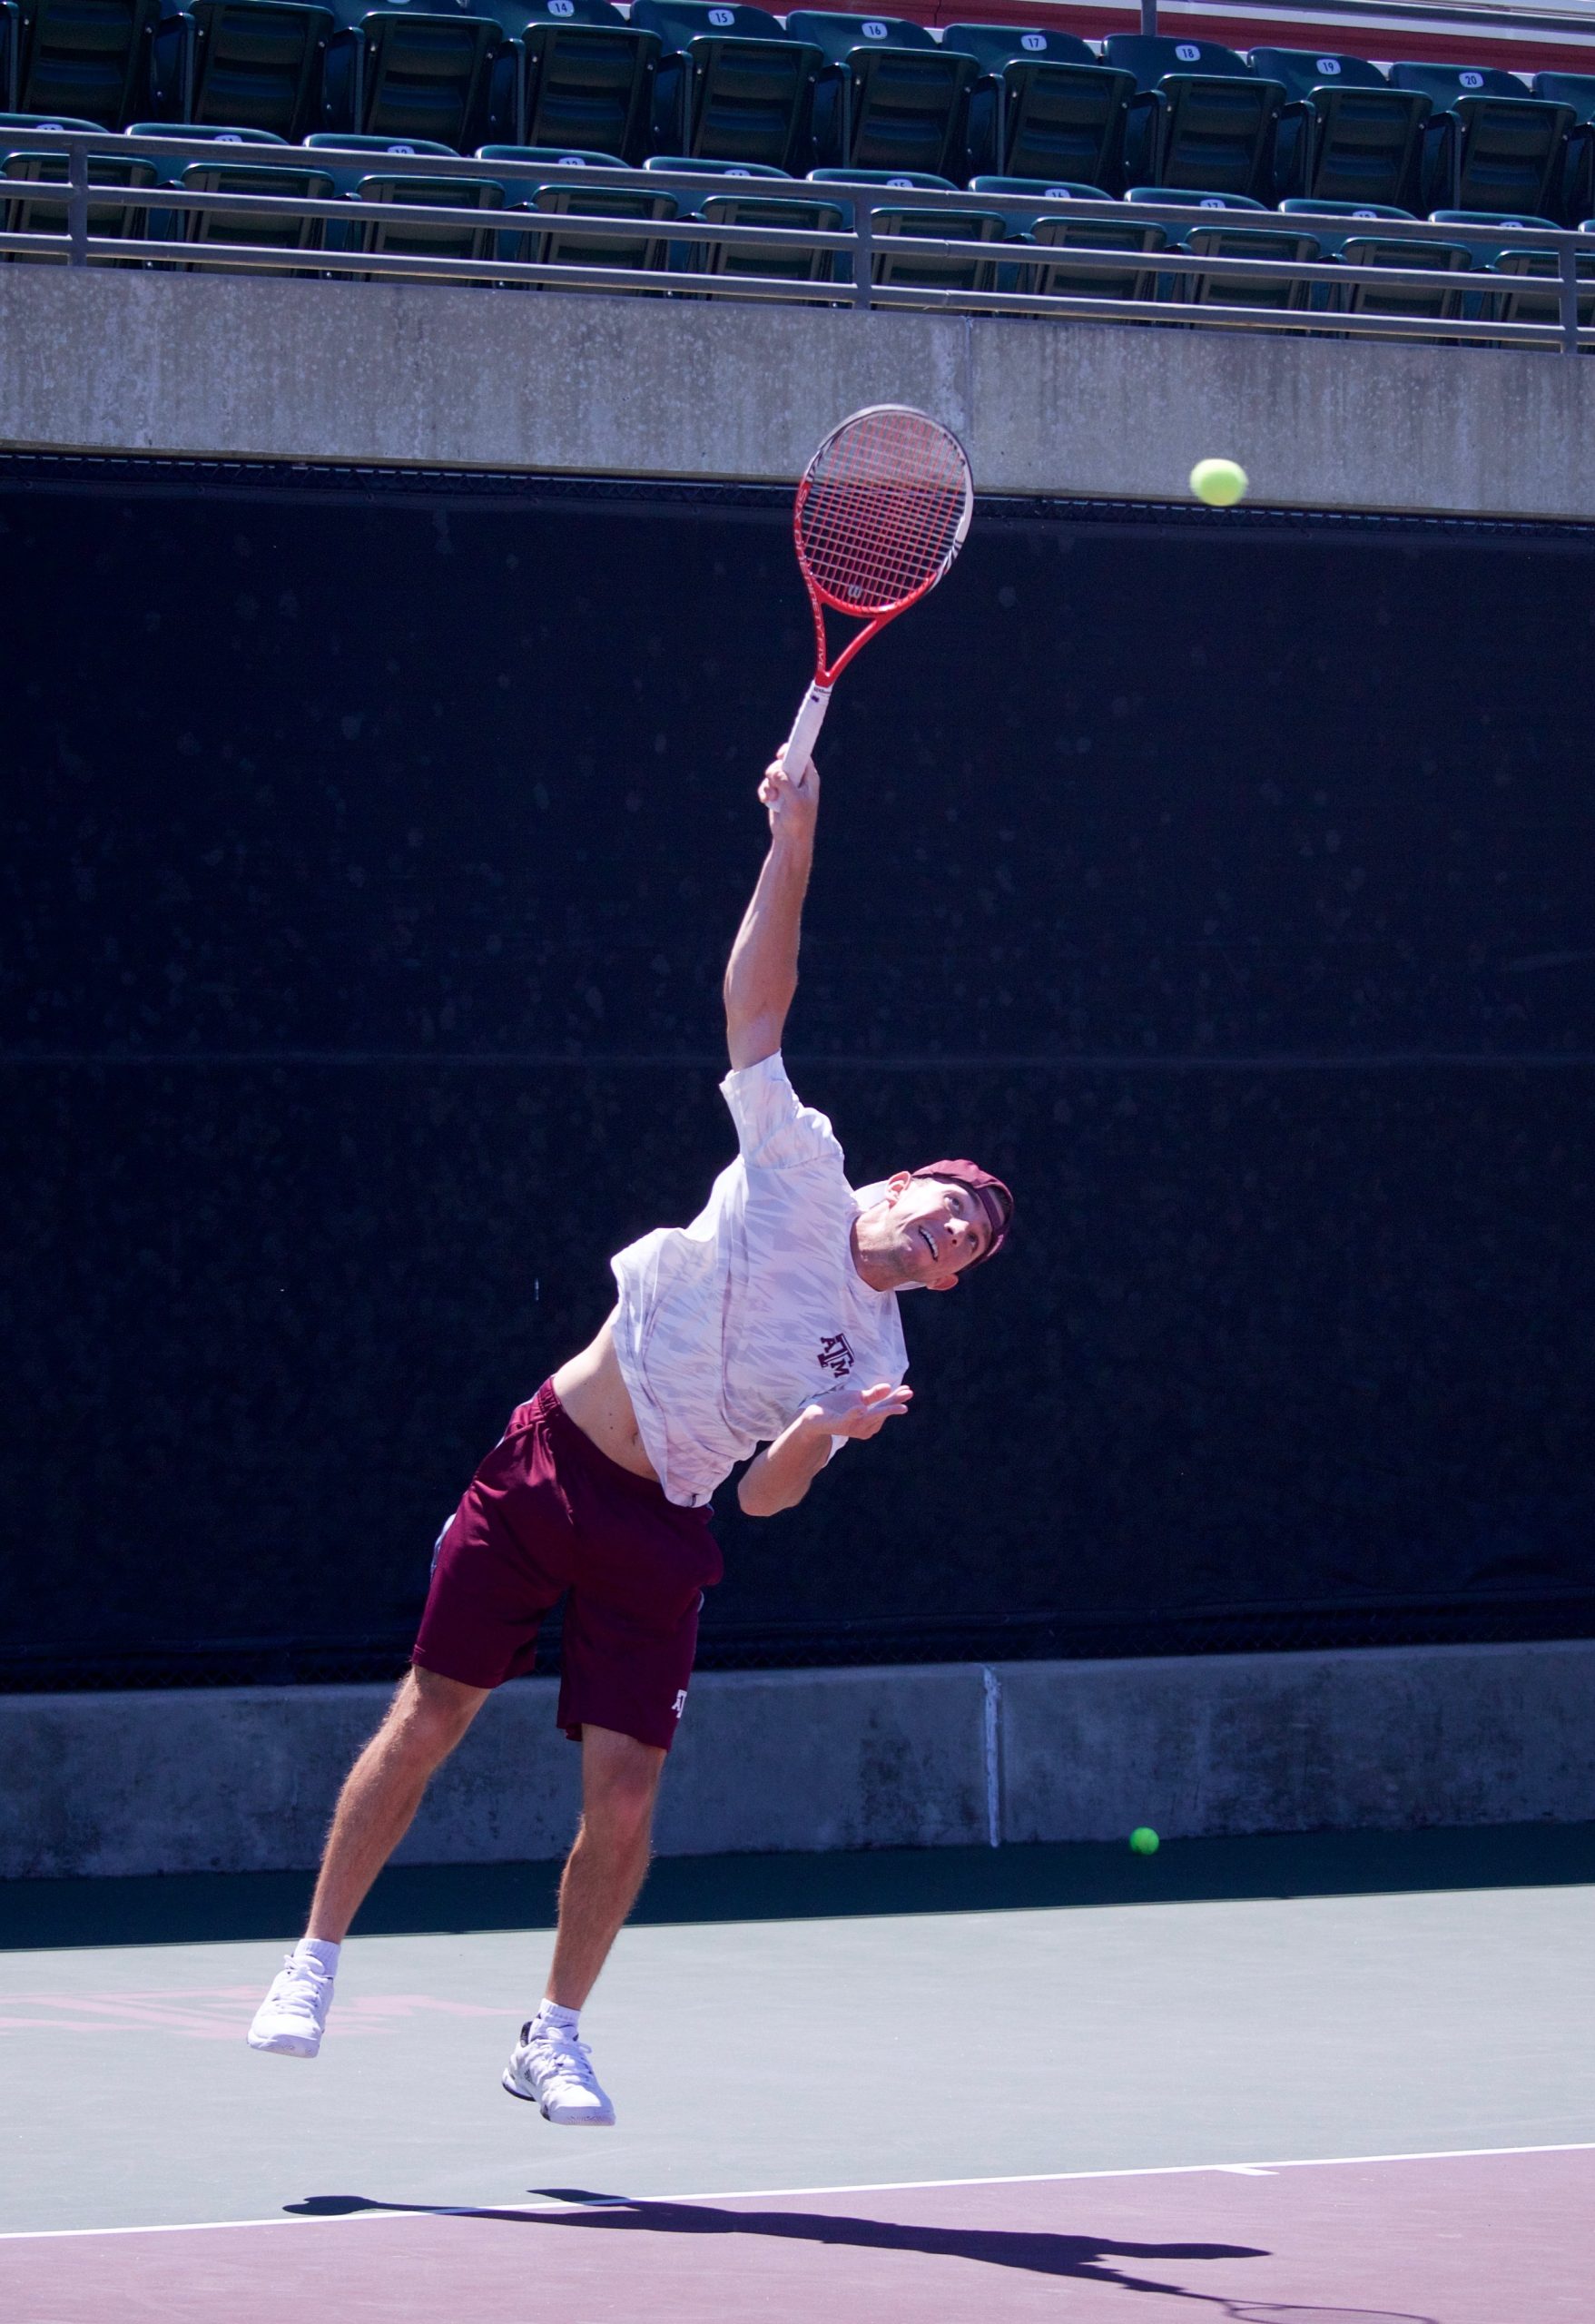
771,2194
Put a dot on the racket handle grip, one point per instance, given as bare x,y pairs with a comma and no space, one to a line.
799,746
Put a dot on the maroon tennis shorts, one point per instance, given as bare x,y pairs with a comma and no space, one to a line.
547,1513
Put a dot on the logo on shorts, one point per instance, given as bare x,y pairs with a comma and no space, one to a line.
835,1356
679,1705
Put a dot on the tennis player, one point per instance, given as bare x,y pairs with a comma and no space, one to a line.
770,1322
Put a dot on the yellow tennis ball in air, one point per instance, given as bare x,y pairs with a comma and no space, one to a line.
1220,483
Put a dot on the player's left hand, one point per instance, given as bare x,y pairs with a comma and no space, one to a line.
858,1411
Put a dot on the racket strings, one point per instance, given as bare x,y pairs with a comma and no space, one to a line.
882,510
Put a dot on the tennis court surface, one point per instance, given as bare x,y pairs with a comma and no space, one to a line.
1297,2082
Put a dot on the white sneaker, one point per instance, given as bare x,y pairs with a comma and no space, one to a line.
555,2071
290,2021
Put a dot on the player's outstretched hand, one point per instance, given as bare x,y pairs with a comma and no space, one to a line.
794,802
860,1411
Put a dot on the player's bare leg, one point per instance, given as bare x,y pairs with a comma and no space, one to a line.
604,1870
424,1720
607,1866
382,1791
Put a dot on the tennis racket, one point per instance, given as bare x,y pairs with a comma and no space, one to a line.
881,512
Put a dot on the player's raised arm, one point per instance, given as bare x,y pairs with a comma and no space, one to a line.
761,976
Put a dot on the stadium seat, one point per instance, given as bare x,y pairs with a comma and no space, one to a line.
580,76
1479,230
1041,189
1186,197
1336,221
1043,105
392,233
606,241
1282,290
1515,304
733,85
48,121
1201,116
1345,134
1370,298
889,98
704,166
392,74
25,215
932,274
1577,191
792,261
214,132
1100,251
564,156
246,64
1500,149
91,58
259,229
348,157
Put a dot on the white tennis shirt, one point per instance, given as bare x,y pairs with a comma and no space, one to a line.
728,1327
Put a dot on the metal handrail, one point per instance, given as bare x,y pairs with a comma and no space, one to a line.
859,241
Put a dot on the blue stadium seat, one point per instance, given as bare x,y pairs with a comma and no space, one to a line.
1101,252
48,121
734,86
1282,290
214,132
704,166
1044,107
91,58
1189,197
392,74
1201,117
565,156
893,266
1477,227
790,261
1393,250
358,147
580,76
347,155
1336,222
605,241
1491,145
261,230
25,215
246,64
889,98
394,233
1516,304
1577,191
1344,133
1041,189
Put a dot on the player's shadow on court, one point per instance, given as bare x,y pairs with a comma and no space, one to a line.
1084,2257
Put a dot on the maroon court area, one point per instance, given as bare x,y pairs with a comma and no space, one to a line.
1501,2239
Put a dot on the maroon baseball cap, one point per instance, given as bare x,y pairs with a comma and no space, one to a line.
993,1196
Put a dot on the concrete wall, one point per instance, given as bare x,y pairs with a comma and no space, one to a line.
420,374
1390,1738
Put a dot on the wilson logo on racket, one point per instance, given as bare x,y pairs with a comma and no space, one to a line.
881,511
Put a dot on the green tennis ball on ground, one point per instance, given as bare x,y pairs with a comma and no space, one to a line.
1144,1840
1220,483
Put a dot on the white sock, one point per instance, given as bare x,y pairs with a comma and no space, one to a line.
552,2019
318,1953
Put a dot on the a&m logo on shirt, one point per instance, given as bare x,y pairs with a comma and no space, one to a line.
835,1356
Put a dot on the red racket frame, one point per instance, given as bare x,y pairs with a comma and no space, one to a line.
800,742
